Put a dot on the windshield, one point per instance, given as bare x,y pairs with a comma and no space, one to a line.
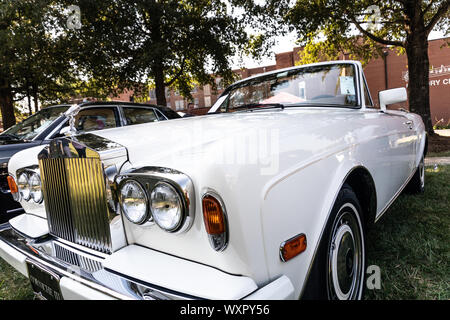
35,124
327,85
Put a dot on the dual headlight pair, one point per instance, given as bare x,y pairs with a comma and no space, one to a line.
171,208
162,204
30,186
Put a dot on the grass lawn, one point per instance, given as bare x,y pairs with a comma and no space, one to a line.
13,285
410,244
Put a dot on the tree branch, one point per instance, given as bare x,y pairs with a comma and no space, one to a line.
374,37
440,12
180,72
428,7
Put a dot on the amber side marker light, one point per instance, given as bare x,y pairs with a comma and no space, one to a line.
292,247
13,188
12,185
215,222
212,212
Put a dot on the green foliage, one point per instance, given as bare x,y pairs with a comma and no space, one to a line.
138,44
33,60
363,27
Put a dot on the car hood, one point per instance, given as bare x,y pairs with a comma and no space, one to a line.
181,142
9,148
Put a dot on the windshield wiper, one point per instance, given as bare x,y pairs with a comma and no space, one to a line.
251,106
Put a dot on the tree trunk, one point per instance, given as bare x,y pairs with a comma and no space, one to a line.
7,107
30,108
418,71
418,64
160,88
35,98
156,36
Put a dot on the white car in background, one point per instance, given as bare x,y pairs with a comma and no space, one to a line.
269,196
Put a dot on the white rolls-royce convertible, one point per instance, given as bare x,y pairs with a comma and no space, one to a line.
269,196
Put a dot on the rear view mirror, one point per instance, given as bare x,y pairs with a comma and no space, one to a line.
391,96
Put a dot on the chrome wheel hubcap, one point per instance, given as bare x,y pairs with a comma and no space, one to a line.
346,256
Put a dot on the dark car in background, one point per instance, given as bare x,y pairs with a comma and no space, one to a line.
48,123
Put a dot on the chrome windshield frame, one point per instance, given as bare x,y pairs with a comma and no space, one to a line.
358,83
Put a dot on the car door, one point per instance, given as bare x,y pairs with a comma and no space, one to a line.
392,149
402,140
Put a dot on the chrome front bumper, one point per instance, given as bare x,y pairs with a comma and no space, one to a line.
83,274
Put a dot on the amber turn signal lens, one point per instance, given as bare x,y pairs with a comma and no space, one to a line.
12,185
293,247
213,215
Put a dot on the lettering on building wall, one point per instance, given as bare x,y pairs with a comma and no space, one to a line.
434,72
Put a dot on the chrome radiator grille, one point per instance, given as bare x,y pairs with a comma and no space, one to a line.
75,201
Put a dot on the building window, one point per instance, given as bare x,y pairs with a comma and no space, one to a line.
219,83
207,90
152,94
196,102
207,102
179,105
195,89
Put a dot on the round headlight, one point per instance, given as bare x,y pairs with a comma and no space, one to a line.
134,202
36,188
166,207
24,186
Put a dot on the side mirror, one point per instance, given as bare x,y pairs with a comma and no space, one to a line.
391,96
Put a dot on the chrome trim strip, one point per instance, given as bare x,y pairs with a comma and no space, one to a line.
115,285
18,210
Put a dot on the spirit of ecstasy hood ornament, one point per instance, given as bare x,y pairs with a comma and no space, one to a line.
71,113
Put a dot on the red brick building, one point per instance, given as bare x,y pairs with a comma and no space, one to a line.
388,72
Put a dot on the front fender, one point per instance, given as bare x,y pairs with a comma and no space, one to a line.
297,202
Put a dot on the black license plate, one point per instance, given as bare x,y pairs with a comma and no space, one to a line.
44,282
